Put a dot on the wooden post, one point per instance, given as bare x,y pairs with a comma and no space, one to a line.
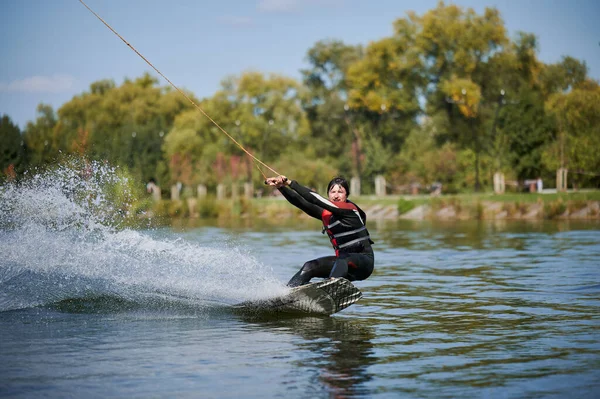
221,191
192,206
175,192
414,189
380,186
355,186
248,190
499,184
561,180
202,191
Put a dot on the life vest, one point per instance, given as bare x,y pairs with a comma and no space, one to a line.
343,231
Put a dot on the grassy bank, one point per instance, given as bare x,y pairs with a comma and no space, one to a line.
464,206
510,206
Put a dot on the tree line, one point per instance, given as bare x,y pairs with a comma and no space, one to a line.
449,97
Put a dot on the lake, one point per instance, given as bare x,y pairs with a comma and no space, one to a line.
457,309
90,308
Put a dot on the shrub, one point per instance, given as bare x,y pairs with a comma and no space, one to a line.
405,205
554,208
208,207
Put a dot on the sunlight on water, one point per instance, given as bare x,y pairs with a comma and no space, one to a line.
60,239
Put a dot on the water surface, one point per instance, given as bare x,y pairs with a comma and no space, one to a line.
461,309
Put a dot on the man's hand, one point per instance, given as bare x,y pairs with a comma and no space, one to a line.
278,181
271,181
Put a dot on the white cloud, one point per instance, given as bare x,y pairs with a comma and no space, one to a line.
291,6
237,21
278,5
40,84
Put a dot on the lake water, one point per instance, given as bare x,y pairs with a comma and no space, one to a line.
462,309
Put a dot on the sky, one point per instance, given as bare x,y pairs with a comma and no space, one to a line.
52,50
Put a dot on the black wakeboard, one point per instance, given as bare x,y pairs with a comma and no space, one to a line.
320,298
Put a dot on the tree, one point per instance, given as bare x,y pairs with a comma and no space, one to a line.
268,111
457,47
335,128
562,76
384,92
528,130
421,162
262,113
188,148
42,137
577,114
124,125
11,149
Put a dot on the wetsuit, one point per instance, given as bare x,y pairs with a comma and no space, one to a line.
344,223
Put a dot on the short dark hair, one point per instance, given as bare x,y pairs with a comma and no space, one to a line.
342,182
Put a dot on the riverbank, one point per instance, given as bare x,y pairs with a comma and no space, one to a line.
574,205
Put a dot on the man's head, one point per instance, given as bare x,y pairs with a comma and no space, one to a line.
338,190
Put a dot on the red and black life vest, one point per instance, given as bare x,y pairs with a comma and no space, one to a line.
346,231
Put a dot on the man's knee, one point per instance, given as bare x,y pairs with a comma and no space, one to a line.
340,268
309,266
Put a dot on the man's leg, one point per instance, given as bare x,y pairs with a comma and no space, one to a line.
355,266
320,267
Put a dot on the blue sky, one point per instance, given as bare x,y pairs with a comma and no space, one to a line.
53,49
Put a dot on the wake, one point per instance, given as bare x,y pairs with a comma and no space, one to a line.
62,243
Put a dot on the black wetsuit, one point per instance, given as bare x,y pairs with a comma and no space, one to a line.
344,222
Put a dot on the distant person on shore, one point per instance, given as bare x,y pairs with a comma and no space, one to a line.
152,188
540,185
345,224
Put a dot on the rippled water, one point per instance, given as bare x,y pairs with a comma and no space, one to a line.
465,309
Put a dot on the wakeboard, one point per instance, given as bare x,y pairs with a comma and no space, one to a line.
320,298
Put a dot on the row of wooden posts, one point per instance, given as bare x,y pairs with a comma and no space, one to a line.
535,186
355,187
248,189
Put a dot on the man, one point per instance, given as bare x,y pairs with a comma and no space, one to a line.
345,224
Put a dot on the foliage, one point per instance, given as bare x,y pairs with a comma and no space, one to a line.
123,125
529,130
447,98
42,140
208,207
405,205
11,149
578,119
315,173
554,209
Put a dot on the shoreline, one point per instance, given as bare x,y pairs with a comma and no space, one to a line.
575,206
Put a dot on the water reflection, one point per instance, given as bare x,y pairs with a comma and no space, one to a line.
462,326
341,351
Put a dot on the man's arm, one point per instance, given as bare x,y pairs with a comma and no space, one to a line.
314,198
295,199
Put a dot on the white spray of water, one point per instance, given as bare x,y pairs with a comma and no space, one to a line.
60,239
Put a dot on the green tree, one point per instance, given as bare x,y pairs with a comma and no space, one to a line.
11,149
42,138
262,113
421,162
528,129
335,127
124,125
456,47
385,87
562,76
266,111
189,148
577,115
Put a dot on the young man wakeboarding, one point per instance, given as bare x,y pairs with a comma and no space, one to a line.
345,224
